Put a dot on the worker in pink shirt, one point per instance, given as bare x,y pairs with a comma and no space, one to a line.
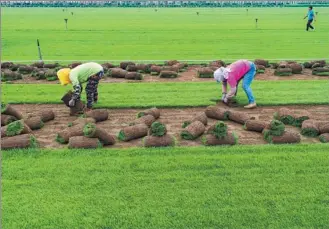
232,74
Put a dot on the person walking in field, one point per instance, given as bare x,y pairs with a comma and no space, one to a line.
310,17
232,75
89,72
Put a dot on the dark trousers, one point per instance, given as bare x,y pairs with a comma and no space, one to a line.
309,22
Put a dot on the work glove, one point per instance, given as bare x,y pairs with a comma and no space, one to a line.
223,96
72,103
225,100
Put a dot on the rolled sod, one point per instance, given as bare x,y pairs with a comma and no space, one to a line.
19,142
265,63
323,127
170,68
99,115
168,74
260,68
216,112
47,115
92,131
202,117
211,140
296,68
162,141
238,117
179,66
83,121
15,128
82,142
107,66
219,130
205,72
117,73
155,112
74,64
132,68
25,69
51,65
323,73
133,132
10,110
310,128
155,69
134,76
317,65
79,105
147,120
324,138
320,71
307,65
275,127
64,136
287,137
125,64
300,117
285,115
255,125
34,122
283,72
5,65
144,68
39,75
171,62
8,75
6,119
217,63
320,62
158,129
193,131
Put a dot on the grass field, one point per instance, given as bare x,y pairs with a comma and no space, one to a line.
217,187
143,34
138,95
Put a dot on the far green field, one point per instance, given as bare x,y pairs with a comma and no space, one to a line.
143,34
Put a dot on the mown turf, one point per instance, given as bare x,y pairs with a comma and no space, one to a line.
143,34
139,95
213,187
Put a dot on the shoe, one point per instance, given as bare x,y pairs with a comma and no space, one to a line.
250,106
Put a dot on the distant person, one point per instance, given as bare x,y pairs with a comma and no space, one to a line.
310,17
233,74
88,72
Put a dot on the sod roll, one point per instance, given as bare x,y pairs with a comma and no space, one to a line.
51,65
155,112
260,67
287,137
283,72
10,110
133,132
307,65
99,115
162,141
133,76
15,128
155,69
6,119
285,115
92,131
261,62
82,142
47,115
158,129
117,73
205,72
34,122
64,136
202,117
255,125
238,117
19,142
324,138
107,66
144,68
300,117
217,63
77,109
74,64
216,112
276,128
193,131
25,69
323,127
132,68
8,75
219,130
6,65
179,66
173,68
168,74
147,120
125,64
171,62
310,128
211,140
296,68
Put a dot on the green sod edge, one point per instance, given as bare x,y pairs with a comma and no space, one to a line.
172,145
204,140
236,138
310,132
158,129
187,136
33,142
3,107
14,128
89,129
59,139
70,124
186,123
323,139
220,130
299,121
121,136
140,114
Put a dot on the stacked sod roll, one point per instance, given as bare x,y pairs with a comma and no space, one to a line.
238,117
289,117
158,136
275,133
90,130
202,117
313,128
205,72
217,113
193,130
255,125
219,135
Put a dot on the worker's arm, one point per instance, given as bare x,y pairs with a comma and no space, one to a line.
92,93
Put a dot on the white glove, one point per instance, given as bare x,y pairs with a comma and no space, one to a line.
72,103
223,96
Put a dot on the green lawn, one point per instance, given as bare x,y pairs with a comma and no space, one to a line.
220,187
126,95
143,34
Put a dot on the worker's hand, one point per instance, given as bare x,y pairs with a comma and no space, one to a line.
72,103
223,96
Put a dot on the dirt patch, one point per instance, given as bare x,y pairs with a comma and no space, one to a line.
120,118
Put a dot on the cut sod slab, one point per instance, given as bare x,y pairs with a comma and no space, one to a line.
116,73
216,112
283,72
19,141
47,115
15,128
10,110
310,128
205,72
147,120
99,115
155,112
219,130
265,63
211,140
162,141
64,136
92,131
158,129
168,74
134,76
34,122
79,105
287,137
255,125
133,132
193,131
238,117
82,142
6,119
324,138
202,117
